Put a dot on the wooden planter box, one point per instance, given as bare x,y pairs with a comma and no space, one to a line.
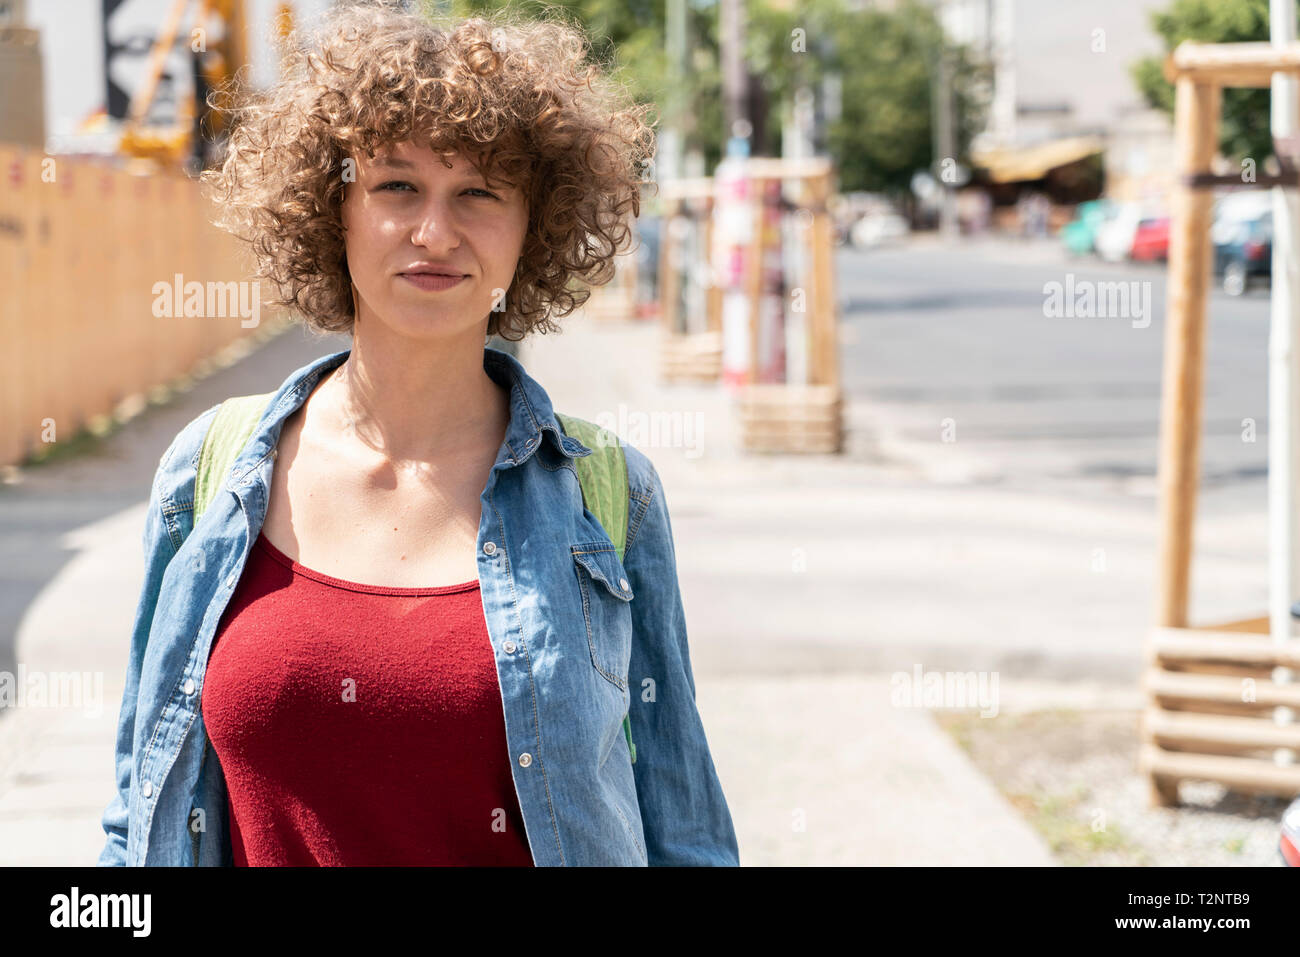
1211,710
783,418
691,358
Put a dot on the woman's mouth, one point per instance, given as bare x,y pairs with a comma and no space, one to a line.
431,282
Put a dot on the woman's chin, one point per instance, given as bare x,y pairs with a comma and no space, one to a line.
422,322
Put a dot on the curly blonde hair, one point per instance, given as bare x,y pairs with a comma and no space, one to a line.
516,96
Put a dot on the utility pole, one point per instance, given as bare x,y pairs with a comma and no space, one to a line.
943,134
672,138
735,86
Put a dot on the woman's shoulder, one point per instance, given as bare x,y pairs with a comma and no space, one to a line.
642,478
647,508
641,474
178,465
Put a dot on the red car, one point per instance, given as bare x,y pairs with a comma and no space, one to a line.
1151,241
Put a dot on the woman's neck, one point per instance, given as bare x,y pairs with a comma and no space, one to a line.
416,402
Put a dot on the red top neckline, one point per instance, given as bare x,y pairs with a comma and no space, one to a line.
299,569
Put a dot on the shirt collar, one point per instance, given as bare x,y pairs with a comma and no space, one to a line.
532,419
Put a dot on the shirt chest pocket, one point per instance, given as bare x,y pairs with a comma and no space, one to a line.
606,609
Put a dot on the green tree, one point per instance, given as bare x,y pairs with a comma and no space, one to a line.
884,59
1244,128
887,63
627,36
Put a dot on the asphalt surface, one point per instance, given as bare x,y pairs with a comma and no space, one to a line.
1041,402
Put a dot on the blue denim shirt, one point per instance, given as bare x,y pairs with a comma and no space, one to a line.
579,637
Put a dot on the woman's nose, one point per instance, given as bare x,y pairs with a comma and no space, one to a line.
436,227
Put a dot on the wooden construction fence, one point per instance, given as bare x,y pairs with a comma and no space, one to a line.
83,243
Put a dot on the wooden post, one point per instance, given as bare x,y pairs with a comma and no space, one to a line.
714,292
1196,120
667,277
823,365
754,255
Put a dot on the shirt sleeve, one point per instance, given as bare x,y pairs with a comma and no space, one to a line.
159,549
683,810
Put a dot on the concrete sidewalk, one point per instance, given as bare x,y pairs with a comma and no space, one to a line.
819,767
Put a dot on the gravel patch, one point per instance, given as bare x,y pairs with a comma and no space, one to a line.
1074,776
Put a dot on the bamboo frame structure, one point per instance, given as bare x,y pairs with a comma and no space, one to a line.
1216,695
796,417
690,356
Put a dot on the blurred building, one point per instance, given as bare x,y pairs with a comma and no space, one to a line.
1063,92
95,56
22,118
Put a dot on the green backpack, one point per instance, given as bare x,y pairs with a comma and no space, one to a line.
601,475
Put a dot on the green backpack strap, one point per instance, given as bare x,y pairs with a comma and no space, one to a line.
603,479
229,432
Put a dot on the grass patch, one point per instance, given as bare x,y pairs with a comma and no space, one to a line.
1000,746
85,441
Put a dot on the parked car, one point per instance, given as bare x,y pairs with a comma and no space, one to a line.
1114,240
1289,842
1080,233
1233,208
876,229
1243,251
1151,240
848,209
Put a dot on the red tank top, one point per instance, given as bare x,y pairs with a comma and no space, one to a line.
359,724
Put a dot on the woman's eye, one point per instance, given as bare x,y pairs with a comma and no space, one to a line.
396,186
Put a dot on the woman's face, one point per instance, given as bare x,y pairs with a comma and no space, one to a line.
408,215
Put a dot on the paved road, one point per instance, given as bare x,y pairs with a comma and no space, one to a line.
937,332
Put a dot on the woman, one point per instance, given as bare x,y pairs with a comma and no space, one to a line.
396,636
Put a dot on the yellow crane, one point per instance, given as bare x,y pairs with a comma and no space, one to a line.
219,61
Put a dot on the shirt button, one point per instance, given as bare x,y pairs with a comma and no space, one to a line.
509,647
622,583
490,548
189,686
148,788
231,581
525,759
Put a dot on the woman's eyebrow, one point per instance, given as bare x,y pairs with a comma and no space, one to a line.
396,162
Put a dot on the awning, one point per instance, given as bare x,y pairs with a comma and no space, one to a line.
1018,164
